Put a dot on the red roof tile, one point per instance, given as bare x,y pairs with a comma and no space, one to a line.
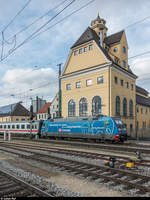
44,109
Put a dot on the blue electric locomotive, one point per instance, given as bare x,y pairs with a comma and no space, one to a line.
102,128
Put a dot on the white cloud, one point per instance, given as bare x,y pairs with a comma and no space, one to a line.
53,46
25,83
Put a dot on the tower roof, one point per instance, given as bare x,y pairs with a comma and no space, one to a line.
87,36
114,38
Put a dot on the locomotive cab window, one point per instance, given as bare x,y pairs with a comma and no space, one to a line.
106,123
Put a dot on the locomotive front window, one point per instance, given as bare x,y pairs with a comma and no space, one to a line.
106,123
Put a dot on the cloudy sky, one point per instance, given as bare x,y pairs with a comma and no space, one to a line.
31,68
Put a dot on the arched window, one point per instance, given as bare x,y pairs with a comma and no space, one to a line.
117,106
124,107
131,108
83,107
96,106
71,108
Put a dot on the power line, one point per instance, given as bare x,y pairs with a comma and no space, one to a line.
146,52
27,39
64,18
35,21
137,22
16,15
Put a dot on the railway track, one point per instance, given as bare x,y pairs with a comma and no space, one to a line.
96,156
111,147
10,186
115,177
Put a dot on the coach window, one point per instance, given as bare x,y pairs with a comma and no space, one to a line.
4,126
117,106
32,126
8,126
22,126
17,126
125,107
96,106
71,108
83,107
28,126
13,126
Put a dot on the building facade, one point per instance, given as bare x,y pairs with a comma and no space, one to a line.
54,107
37,104
43,112
97,79
14,112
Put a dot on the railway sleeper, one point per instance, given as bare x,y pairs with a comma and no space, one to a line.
10,191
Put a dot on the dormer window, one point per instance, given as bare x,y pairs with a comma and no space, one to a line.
80,51
123,49
75,53
90,47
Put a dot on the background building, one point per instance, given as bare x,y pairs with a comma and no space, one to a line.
13,112
37,104
43,112
54,107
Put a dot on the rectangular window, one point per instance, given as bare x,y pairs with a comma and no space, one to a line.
127,85
75,53
124,64
78,84
85,49
90,47
116,80
80,51
121,82
100,80
68,87
131,86
88,82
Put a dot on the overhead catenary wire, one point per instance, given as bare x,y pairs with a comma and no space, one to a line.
35,21
27,39
16,15
85,5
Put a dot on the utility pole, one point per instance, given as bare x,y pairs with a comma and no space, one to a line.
59,102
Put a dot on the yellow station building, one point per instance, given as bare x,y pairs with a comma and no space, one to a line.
97,79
